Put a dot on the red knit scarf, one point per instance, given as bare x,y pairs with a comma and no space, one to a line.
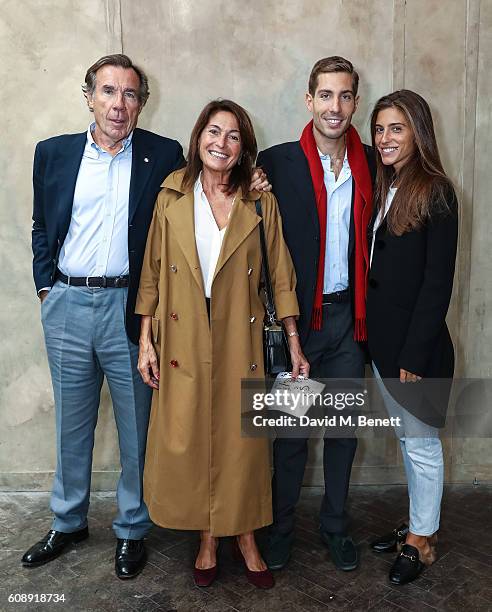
362,214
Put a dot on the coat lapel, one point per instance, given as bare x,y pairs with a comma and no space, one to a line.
181,217
143,160
68,169
242,222
300,178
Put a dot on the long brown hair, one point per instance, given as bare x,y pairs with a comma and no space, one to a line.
242,172
422,181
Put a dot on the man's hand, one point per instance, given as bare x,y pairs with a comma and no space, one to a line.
406,376
42,295
259,181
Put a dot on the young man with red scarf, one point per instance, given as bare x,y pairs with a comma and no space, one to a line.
323,184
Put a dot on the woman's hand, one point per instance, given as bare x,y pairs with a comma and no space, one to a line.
259,181
148,366
406,376
300,365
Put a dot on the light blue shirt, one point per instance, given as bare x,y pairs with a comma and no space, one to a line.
339,200
97,239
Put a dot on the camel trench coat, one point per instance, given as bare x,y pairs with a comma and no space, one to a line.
200,473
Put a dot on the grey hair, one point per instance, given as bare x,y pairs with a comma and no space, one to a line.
122,61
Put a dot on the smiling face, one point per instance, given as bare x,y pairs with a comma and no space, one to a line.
220,143
115,104
393,138
332,106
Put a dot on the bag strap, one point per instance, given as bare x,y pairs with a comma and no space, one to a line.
270,304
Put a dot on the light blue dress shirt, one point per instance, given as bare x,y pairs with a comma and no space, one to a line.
339,200
97,239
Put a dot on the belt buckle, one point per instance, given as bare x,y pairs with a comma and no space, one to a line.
119,281
89,286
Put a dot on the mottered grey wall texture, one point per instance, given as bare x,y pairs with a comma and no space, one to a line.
258,53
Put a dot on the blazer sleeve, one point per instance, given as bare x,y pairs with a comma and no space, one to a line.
280,263
42,264
148,291
429,313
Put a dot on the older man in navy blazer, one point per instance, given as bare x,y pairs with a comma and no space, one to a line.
94,195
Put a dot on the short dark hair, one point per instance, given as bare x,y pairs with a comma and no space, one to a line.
335,63
122,61
242,172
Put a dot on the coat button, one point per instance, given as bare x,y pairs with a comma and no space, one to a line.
173,363
174,316
253,367
252,319
380,244
173,268
249,271
373,283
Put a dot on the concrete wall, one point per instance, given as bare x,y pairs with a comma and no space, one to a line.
260,54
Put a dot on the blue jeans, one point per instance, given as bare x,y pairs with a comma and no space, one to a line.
424,465
86,341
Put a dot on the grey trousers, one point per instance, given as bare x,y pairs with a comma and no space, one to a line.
86,340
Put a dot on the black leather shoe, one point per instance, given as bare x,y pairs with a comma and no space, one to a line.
51,546
407,566
342,550
277,550
130,558
390,542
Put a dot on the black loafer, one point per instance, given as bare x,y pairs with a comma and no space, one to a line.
407,566
277,551
343,551
130,558
390,541
51,546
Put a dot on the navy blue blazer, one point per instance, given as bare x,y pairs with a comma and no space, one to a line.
56,166
288,171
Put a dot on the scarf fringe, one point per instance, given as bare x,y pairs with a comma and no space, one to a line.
317,318
360,330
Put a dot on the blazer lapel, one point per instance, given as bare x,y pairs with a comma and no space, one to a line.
68,170
242,222
181,217
143,160
300,178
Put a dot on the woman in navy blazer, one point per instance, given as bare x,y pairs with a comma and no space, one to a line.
413,252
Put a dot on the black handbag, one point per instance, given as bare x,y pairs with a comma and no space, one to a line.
276,352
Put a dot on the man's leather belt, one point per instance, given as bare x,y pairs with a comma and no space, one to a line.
337,297
93,282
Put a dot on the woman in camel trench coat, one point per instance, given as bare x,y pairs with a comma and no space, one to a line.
200,473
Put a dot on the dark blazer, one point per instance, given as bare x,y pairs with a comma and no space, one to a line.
288,171
410,285
56,166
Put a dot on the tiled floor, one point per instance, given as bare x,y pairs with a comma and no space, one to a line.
461,579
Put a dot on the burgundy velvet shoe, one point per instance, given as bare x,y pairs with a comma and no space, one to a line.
205,577
260,579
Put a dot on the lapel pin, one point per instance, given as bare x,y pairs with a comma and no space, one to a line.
146,160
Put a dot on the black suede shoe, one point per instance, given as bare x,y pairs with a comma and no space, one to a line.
343,551
51,546
130,558
390,542
407,566
277,550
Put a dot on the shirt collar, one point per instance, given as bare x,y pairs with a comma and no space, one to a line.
93,146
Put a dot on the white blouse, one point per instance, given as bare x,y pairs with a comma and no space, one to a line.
208,236
380,218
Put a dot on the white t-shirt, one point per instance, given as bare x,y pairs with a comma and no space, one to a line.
380,218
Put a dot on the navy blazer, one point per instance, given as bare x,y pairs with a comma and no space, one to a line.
288,171
56,166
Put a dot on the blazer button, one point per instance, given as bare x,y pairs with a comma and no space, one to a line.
173,268
373,283
174,316
380,244
173,363
252,319
253,367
